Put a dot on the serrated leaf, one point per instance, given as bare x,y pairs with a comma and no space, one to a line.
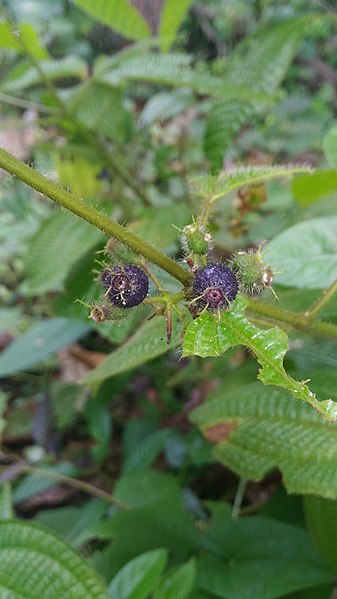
264,65
35,564
120,15
215,187
177,584
171,17
306,254
25,75
256,430
6,507
11,39
38,343
60,242
212,335
147,343
137,578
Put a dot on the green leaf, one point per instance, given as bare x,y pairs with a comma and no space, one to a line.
6,507
172,15
146,451
137,578
321,519
177,584
32,484
212,335
59,243
262,558
174,70
99,107
257,429
329,146
11,39
36,564
307,189
214,187
262,68
25,75
142,487
38,343
147,343
306,254
120,15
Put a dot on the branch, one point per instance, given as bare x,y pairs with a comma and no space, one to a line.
101,221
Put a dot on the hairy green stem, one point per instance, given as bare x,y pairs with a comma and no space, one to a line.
296,320
101,221
326,296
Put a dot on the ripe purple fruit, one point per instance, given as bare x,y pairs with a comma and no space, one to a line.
214,287
126,286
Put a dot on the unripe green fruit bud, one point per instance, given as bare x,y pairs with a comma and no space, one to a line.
196,241
252,273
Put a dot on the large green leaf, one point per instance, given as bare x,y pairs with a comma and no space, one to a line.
173,70
321,518
38,343
137,578
36,564
10,38
261,558
306,254
147,343
257,429
25,75
171,18
214,187
212,335
264,65
59,243
120,15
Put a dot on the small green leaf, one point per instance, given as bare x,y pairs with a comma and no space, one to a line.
256,429
59,243
36,564
146,451
6,507
309,188
217,186
38,343
11,39
210,335
306,254
329,146
172,15
147,343
120,15
177,584
137,578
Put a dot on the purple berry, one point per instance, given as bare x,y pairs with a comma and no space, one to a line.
214,286
126,286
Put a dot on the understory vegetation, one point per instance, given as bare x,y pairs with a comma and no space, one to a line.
168,285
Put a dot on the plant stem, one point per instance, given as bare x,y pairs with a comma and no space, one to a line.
101,221
296,320
240,492
326,296
80,485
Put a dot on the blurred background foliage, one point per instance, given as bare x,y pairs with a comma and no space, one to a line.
123,103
